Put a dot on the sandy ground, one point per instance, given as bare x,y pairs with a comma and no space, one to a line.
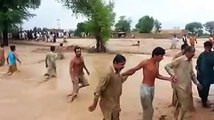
23,97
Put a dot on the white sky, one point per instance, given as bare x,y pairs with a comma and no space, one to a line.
171,13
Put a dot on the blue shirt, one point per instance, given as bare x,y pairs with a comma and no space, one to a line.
11,58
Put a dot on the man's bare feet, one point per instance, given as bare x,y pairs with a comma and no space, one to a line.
73,97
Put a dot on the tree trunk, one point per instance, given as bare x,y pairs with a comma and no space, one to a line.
5,34
98,43
102,46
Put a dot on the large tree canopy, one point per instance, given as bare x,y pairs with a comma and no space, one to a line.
194,27
100,17
13,12
123,24
157,26
209,26
145,24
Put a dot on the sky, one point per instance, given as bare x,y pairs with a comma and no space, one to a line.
171,13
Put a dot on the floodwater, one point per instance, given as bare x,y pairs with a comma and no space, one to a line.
23,97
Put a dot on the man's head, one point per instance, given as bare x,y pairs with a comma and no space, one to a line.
77,51
52,48
174,36
2,45
13,48
119,62
208,46
61,44
183,47
189,52
185,35
158,53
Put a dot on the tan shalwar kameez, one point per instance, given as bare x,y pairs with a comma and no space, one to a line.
51,61
182,68
109,91
174,99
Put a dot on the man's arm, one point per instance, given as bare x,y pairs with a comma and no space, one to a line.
159,76
133,70
169,67
101,87
124,78
193,76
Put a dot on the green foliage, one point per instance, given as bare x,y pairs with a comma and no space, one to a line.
12,12
157,26
145,24
100,15
123,24
194,27
83,27
209,26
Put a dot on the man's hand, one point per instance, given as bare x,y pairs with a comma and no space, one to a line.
88,72
173,79
92,107
199,86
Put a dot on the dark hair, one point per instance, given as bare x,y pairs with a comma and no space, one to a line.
174,35
184,46
52,48
158,51
2,45
61,44
189,49
208,44
118,59
12,47
75,48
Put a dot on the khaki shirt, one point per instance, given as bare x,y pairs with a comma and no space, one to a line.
183,69
109,90
177,55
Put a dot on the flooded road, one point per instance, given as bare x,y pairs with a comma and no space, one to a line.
22,97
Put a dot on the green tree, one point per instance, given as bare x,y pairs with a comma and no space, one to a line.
123,24
157,26
209,26
80,29
83,27
145,24
100,18
194,27
13,12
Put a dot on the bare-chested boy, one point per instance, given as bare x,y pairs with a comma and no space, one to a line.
2,58
76,72
150,73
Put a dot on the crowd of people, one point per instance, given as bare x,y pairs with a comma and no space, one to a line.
191,40
108,92
49,36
